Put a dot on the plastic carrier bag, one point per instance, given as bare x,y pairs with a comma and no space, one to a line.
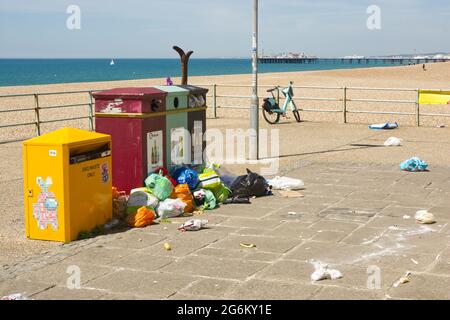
159,186
286,183
171,208
186,175
414,164
141,197
250,185
209,179
183,193
205,199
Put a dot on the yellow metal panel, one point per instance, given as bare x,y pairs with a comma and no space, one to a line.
62,199
90,195
44,193
434,97
68,136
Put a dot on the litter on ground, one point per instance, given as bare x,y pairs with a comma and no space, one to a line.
167,246
414,164
15,296
424,217
291,194
248,245
393,142
193,225
403,280
323,272
384,126
286,183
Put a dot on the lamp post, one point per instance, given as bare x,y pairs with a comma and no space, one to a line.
254,117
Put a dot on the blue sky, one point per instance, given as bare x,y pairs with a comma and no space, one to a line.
220,28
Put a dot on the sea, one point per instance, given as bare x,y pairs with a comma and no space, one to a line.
15,72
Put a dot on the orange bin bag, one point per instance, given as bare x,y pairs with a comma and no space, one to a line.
141,218
183,193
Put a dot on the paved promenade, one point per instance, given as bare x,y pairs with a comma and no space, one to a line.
353,216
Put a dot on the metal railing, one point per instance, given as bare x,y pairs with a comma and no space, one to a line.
344,99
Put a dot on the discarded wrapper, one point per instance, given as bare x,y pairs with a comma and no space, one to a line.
167,246
15,296
403,280
291,194
193,225
248,245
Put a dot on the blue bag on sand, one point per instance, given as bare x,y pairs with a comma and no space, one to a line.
414,164
186,175
384,126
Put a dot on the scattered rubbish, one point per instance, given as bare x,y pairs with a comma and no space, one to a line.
406,217
183,193
165,228
414,164
384,126
292,213
167,246
286,183
440,126
403,280
322,272
394,228
424,217
120,200
193,225
141,197
159,185
140,240
291,194
198,212
248,245
237,200
141,218
15,296
250,185
205,199
414,261
393,142
111,224
186,175
171,208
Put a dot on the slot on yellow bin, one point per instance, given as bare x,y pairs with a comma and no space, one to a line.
67,184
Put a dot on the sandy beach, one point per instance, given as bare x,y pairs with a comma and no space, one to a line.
437,76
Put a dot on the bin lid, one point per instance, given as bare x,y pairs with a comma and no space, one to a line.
194,89
134,93
173,90
68,136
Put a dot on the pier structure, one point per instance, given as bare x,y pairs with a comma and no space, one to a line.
352,60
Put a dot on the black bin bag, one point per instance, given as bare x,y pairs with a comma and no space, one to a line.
250,185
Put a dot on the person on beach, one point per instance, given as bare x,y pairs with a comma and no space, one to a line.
424,68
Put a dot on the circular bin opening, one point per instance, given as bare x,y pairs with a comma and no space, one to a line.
175,102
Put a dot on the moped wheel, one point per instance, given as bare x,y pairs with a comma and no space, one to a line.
296,115
271,117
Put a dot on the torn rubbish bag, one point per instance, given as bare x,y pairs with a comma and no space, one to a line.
205,199
250,185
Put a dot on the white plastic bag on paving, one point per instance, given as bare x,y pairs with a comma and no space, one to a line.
15,296
193,225
424,217
322,272
286,183
393,142
171,208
